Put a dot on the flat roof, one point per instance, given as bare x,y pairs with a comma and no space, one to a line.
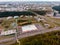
28,28
8,32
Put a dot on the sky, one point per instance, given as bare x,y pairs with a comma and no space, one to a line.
27,0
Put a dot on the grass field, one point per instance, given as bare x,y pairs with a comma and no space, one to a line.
52,38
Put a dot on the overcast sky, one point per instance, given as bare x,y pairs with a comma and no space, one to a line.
27,0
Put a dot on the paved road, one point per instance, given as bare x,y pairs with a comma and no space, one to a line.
39,32
32,33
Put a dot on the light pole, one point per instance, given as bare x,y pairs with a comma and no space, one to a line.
16,34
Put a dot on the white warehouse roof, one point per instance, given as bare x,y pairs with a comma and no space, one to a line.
29,28
8,32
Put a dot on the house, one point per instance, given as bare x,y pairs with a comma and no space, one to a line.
16,17
21,16
46,25
10,17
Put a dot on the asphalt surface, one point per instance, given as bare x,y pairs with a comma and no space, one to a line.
31,33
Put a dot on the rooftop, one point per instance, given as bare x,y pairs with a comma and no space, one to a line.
29,28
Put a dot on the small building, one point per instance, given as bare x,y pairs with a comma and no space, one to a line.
31,16
26,16
46,25
9,32
10,17
39,19
16,17
57,15
49,11
50,14
21,16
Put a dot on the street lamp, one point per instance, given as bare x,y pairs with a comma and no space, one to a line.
16,34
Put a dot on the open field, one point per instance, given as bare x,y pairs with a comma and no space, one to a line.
55,20
52,38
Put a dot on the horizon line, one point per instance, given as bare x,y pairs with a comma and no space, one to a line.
29,0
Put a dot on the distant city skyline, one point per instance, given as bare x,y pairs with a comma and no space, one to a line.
26,0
